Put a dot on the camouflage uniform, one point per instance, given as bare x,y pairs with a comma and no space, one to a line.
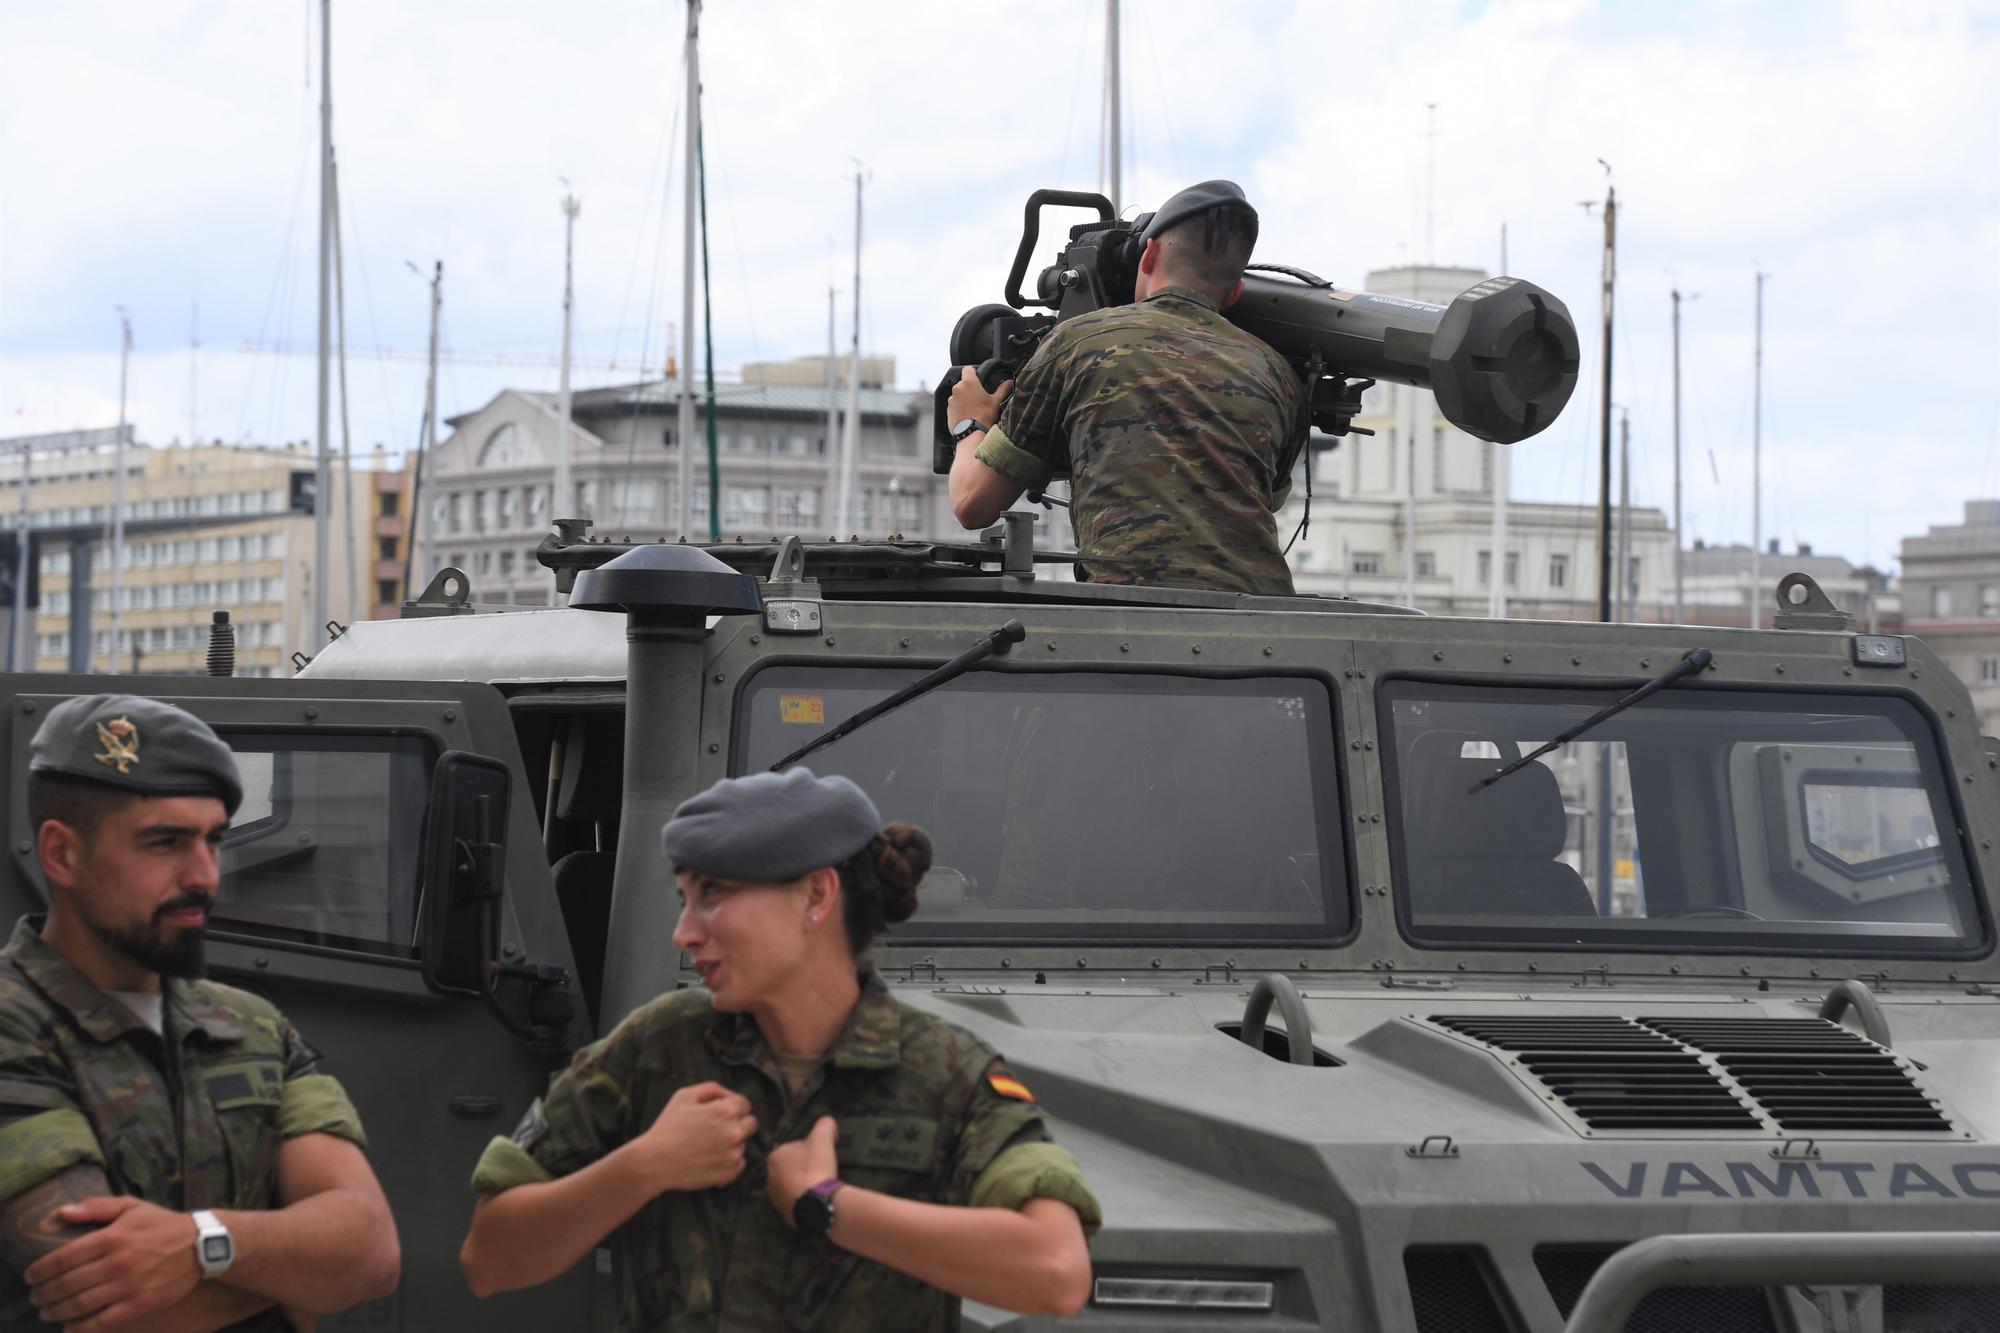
192,1122
1178,428
926,1111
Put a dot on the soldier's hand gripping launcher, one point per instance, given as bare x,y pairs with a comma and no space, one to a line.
1501,358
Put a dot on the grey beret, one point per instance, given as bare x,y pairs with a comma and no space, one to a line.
137,745
1223,201
770,827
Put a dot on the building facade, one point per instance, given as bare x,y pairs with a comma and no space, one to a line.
1951,600
489,490
207,528
1367,489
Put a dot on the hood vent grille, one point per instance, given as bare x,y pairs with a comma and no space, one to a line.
1612,1073
1810,1074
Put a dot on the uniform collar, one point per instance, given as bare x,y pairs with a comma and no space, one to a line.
103,1016
1185,294
872,1038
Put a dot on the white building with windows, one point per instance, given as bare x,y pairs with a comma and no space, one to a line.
1361,542
489,505
1951,600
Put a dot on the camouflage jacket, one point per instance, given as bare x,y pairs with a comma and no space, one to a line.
1179,430
926,1111
192,1121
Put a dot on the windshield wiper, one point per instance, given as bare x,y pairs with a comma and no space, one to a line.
1693,661
995,644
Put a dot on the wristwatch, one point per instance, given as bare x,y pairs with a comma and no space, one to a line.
214,1247
966,426
812,1212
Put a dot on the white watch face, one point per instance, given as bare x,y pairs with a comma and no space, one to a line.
215,1249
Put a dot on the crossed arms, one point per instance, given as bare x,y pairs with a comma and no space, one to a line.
97,1262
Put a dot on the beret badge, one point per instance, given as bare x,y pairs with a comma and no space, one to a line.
120,740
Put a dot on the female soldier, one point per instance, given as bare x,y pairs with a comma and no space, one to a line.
724,1139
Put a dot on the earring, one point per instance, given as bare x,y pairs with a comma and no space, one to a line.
813,917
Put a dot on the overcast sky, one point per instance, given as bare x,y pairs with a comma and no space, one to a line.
160,156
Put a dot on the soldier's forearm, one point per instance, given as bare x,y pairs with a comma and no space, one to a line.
1033,1261
325,1252
29,1227
211,1306
531,1233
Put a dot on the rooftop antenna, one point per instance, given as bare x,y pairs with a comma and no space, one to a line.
1430,184
1113,96
1680,573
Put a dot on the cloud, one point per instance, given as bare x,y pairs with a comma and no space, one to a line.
1851,150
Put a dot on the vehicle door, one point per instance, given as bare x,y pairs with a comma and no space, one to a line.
322,895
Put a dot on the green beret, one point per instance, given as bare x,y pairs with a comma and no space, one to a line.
138,745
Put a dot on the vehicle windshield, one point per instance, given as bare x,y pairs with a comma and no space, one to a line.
1738,821
1087,804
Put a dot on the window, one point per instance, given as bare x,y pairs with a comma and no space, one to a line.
700,506
324,849
745,506
798,444
1989,599
489,510
1558,571
636,501
1736,821
908,509
1989,670
1427,564
1940,603
385,548
1514,568
385,590
1365,562
510,507
797,507
388,503
1486,566
538,503
461,512
1058,834
1631,574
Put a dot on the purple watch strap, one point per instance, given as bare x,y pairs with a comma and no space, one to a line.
827,1188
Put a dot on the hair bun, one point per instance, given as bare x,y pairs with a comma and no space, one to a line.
902,857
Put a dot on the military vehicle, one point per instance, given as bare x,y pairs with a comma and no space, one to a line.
1347,1032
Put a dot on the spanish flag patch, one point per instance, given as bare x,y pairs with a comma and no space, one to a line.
1009,1086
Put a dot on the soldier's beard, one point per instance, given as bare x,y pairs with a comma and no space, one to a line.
154,945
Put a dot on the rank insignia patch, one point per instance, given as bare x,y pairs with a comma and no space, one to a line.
1009,1086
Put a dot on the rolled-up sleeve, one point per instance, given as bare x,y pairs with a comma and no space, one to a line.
43,1130
314,1103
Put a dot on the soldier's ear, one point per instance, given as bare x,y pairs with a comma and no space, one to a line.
823,895
1235,295
59,848
1149,258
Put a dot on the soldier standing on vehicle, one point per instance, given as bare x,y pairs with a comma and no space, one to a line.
792,1147
1180,430
170,1156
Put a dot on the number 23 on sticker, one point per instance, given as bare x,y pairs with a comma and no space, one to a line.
806,709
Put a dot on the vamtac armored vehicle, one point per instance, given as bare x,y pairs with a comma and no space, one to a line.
1322,964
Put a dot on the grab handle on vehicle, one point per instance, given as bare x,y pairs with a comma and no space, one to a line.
1298,1026
1931,1258
1853,994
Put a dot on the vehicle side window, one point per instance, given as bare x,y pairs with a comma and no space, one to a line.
324,849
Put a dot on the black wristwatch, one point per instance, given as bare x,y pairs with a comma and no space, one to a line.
812,1212
966,426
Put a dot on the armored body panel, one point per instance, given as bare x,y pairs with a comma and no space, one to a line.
1345,1034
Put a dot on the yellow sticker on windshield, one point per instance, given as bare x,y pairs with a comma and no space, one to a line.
807,709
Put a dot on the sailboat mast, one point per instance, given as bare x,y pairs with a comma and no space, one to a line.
1757,471
850,436
117,487
684,422
559,501
1112,96
323,474
1496,605
1604,446
832,418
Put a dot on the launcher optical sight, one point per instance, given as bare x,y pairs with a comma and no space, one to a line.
1501,358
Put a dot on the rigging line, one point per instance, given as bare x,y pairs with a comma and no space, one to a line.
749,309
652,291
1069,120
277,283
663,149
368,303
